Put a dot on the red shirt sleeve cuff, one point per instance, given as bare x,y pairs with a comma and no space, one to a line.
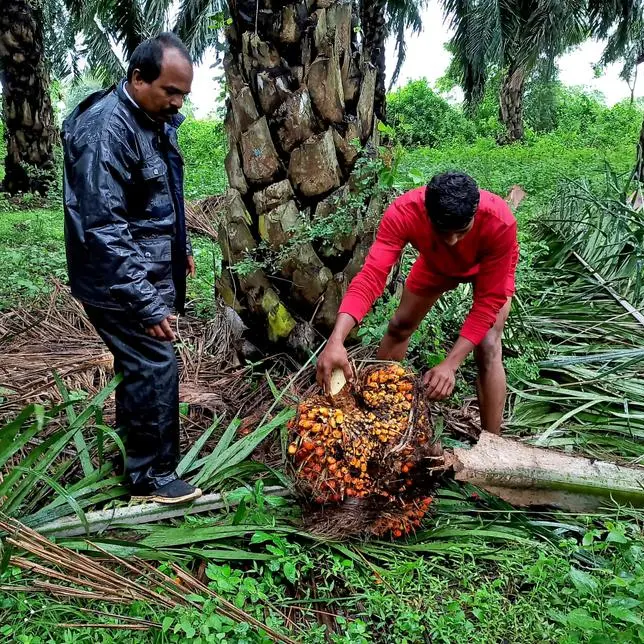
474,332
354,308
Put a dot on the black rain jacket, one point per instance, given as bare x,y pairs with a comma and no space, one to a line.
125,231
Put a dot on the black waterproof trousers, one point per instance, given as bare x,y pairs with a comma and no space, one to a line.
147,399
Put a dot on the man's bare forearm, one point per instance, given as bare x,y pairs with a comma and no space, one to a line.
461,349
344,324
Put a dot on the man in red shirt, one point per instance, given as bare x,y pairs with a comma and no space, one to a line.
462,234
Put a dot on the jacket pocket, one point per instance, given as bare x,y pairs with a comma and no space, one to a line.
157,258
154,168
157,254
157,198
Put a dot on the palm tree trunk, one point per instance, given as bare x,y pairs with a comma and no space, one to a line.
28,115
639,167
299,96
374,33
511,104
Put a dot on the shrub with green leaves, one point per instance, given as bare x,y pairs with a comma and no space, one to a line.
203,144
421,117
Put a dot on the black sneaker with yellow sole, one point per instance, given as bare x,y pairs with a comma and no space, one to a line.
175,492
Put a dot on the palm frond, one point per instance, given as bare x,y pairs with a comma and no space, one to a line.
60,39
403,17
607,233
476,42
127,24
617,16
156,14
588,317
101,57
193,24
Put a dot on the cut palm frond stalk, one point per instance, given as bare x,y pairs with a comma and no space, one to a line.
71,574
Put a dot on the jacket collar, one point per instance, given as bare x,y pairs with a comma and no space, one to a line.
141,115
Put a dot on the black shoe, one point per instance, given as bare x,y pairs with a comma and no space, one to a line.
175,492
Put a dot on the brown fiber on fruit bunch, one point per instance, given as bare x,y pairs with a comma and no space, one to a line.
367,456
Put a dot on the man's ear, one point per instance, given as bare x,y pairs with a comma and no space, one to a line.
137,81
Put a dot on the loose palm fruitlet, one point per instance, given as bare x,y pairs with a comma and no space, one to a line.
366,459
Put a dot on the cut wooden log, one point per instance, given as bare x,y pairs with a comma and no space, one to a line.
272,91
531,476
274,195
313,167
235,236
236,178
366,101
259,157
244,109
297,120
324,81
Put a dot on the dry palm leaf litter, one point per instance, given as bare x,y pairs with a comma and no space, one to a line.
366,460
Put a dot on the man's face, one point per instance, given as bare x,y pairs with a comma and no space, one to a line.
162,98
452,237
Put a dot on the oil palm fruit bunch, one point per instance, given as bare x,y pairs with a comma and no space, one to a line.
365,461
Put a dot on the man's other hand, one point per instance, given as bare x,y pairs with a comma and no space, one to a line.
440,381
333,357
163,330
191,269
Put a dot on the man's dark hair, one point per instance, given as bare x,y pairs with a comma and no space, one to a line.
451,200
148,55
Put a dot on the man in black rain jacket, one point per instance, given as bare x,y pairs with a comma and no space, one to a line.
128,253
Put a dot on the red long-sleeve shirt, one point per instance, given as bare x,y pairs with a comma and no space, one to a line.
487,255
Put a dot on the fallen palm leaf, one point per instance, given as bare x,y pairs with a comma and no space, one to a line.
203,216
114,580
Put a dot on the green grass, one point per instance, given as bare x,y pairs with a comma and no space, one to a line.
32,251
204,148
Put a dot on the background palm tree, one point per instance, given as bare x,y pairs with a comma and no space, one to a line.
27,111
626,44
516,35
511,35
